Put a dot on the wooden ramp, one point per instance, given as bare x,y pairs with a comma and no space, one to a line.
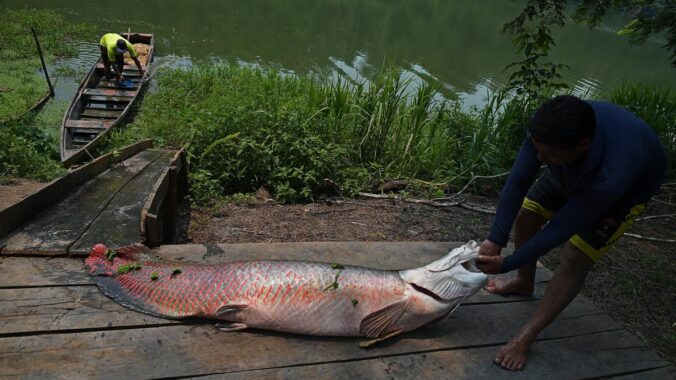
56,324
107,204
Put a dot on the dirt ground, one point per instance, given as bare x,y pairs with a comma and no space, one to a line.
18,189
634,283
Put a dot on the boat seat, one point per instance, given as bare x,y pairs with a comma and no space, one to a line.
110,92
90,124
106,114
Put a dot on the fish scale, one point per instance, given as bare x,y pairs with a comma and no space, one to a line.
293,296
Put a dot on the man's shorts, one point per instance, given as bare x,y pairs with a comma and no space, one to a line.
547,196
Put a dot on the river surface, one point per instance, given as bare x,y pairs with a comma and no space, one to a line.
456,43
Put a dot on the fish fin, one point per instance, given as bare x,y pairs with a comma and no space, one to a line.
229,308
373,325
370,342
231,326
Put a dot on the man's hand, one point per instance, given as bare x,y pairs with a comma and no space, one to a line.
488,248
489,264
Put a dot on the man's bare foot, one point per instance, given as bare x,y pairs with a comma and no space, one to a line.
510,286
512,356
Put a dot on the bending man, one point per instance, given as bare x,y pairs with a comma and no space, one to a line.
113,47
603,165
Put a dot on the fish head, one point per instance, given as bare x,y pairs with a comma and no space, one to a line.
436,289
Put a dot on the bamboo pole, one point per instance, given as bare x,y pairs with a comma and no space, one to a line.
42,59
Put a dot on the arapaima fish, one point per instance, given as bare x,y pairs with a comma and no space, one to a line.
293,296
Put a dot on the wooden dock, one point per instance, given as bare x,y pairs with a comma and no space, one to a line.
119,199
56,324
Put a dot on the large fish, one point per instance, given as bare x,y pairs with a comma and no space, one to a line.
293,296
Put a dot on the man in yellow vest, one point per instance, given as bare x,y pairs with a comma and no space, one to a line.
113,47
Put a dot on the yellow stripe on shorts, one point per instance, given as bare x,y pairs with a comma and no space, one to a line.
595,254
537,208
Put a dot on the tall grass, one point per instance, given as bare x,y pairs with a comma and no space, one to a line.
246,128
657,107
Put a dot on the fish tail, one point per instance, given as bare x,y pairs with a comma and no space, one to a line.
104,262
109,267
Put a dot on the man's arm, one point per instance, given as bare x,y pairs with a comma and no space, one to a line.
138,64
521,177
118,74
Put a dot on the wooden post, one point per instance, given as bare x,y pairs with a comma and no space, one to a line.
171,208
42,59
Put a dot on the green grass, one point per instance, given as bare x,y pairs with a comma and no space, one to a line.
28,142
657,107
22,83
245,128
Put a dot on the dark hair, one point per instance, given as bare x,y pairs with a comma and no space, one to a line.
121,44
563,122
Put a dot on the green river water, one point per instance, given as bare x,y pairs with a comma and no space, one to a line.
455,42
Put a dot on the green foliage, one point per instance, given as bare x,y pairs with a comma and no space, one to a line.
246,128
21,79
649,17
657,107
534,78
24,153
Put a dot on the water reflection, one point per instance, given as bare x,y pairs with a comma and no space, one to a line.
456,44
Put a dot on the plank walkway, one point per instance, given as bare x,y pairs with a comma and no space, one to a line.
56,324
105,209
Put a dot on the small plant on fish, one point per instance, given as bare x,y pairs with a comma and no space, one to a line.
335,284
125,268
176,271
110,255
354,303
154,276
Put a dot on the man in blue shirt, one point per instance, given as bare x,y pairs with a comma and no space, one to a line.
603,165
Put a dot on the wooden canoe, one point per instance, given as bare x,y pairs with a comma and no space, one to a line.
100,104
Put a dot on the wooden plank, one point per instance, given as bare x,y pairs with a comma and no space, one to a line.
572,358
107,106
14,216
124,68
98,124
42,272
119,224
104,92
188,350
667,372
108,114
114,84
55,229
151,231
108,98
170,207
36,310
92,132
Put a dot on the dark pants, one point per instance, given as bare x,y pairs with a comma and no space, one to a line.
119,61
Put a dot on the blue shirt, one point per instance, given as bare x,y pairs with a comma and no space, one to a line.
624,166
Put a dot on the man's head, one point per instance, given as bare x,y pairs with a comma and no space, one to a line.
562,129
121,46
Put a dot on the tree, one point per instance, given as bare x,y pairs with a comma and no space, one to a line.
535,77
